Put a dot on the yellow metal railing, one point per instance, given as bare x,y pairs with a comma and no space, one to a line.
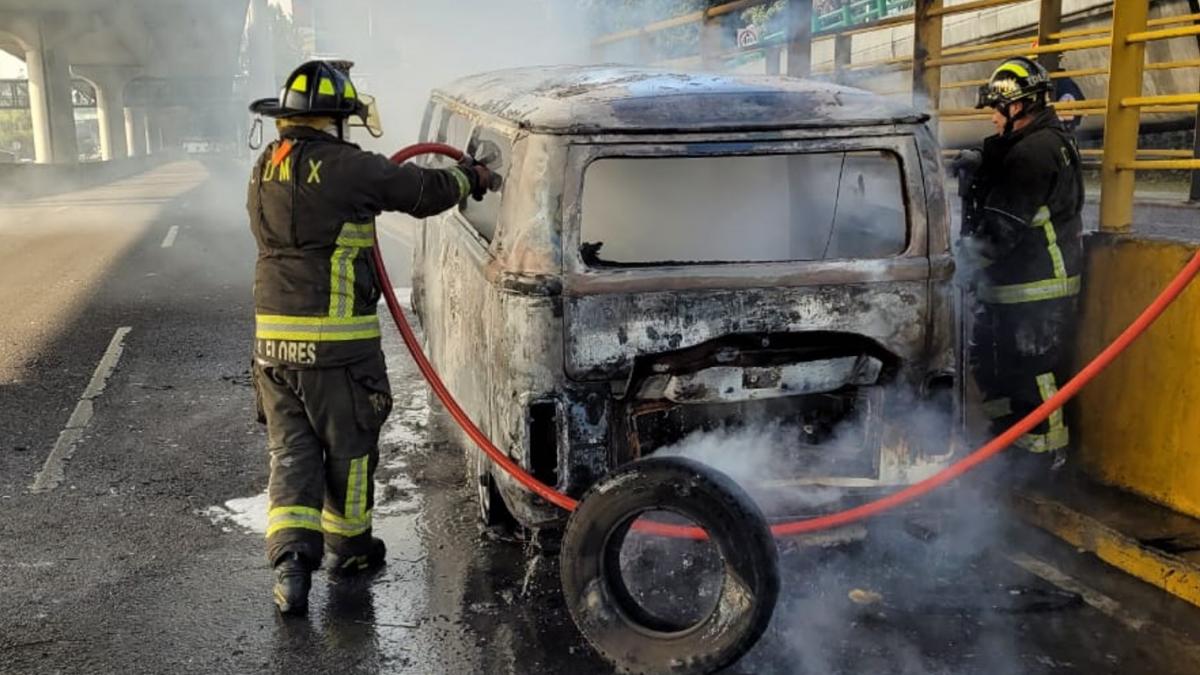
1124,103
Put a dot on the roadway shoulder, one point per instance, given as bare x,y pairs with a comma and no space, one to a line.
1143,539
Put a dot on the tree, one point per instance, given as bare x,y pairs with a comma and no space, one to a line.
16,132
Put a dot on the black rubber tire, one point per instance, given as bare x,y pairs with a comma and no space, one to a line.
601,605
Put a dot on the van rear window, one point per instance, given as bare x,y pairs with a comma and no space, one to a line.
767,208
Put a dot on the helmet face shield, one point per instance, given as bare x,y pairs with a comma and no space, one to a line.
986,98
369,116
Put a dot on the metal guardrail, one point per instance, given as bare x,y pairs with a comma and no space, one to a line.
855,14
1126,39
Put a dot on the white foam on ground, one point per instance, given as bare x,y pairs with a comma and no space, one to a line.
247,513
407,425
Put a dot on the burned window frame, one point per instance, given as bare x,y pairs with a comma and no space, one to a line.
484,233
427,121
901,147
504,143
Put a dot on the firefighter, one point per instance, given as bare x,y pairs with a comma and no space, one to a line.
319,370
1022,227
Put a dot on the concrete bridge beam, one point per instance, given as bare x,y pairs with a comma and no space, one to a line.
110,82
52,111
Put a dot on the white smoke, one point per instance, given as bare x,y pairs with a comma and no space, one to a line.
917,577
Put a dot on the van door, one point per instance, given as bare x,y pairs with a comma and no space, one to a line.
455,253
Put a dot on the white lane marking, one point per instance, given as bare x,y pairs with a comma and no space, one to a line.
169,240
52,471
1096,599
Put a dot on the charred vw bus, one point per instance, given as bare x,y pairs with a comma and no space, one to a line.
676,253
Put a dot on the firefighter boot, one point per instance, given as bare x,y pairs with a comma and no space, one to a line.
354,565
293,578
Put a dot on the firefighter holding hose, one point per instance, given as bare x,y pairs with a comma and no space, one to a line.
319,371
1022,226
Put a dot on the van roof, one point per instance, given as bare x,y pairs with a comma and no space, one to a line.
589,99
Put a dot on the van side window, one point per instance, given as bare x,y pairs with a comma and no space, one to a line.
430,121
496,150
443,121
736,209
458,131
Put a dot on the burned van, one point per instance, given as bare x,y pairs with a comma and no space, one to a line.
674,254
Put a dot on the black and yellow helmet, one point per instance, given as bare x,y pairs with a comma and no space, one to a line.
1016,79
316,88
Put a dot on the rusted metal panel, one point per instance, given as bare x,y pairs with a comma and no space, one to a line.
606,332
720,384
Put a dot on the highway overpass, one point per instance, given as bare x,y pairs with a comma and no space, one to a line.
160,68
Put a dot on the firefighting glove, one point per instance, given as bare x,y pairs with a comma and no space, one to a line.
481,178
968,161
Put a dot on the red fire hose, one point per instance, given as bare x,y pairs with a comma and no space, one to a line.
832,520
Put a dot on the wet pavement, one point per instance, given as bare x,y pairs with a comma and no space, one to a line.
145,559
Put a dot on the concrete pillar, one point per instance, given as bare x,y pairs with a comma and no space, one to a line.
710,43
110,109
135,131
774,58
927,45
154,131
842,46
799,32
51,108
109,82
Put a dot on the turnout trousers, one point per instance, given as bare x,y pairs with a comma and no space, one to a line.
323,434
1019,357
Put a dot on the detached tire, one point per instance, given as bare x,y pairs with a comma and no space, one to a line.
601,604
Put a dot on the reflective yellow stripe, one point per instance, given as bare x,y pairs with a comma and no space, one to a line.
356,487
358,235
1056,439
300,84
464,183
292,525
1042,219
997,408
1014,68
1058,435
293,517
341,281
350,93
326,87
294,511
1048,387
315,328
351,240
1048,289
332,523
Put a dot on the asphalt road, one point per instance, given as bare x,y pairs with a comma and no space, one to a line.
144,558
